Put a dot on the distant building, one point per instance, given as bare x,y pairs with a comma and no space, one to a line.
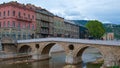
83,31
20,21
108,36
71,29
58,27
17,20
44,21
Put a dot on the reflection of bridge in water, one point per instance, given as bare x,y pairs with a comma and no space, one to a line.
40,48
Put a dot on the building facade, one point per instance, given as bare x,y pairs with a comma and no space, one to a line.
108,36
20,21
83,32
17,20
58,26
71,29
44,21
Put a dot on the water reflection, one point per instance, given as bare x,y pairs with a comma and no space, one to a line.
70,66
57,61
42,64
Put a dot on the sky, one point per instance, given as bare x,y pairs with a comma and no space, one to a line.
106,11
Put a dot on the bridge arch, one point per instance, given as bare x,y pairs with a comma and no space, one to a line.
80,52
46,49
25,49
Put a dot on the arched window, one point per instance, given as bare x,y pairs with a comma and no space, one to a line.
0,14
8,12
13,13
32,16
19,14
29,16
4,13
24,14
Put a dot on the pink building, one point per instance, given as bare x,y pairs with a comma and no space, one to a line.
108,36
17,20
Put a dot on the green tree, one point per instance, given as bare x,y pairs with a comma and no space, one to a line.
96,29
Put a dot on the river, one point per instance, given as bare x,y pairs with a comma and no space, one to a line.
57,61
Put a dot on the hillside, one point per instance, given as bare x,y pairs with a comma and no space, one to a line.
113,28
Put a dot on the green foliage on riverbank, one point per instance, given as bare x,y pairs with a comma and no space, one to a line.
90,65
95,28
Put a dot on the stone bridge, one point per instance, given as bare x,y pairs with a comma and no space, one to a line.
40,48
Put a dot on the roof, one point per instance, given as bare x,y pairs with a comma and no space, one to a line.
70,22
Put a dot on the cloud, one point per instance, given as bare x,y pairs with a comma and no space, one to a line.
103,10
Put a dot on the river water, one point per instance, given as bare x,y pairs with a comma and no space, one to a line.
57,61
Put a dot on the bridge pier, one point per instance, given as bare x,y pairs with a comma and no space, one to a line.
70,59
110,61
73,60
7,48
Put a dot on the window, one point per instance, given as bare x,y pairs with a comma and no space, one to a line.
19,14
4,24
0,14
24,14
24,25
32,26
8,12
13,24
14,35
7,34
8,23
13,13
19,35
3,34
19,25
4,13
29,36
29,26
32,16
0,24
24,35
29,16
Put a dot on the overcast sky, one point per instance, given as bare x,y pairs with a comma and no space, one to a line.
106,11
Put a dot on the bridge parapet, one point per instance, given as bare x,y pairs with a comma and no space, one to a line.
71,40
9,45
8,40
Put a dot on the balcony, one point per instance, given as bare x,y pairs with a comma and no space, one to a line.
44,32
47,19
44,26
24,19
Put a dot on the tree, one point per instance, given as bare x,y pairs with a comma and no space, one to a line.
95,28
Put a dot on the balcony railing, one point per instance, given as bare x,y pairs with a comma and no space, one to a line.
24,18
44,32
